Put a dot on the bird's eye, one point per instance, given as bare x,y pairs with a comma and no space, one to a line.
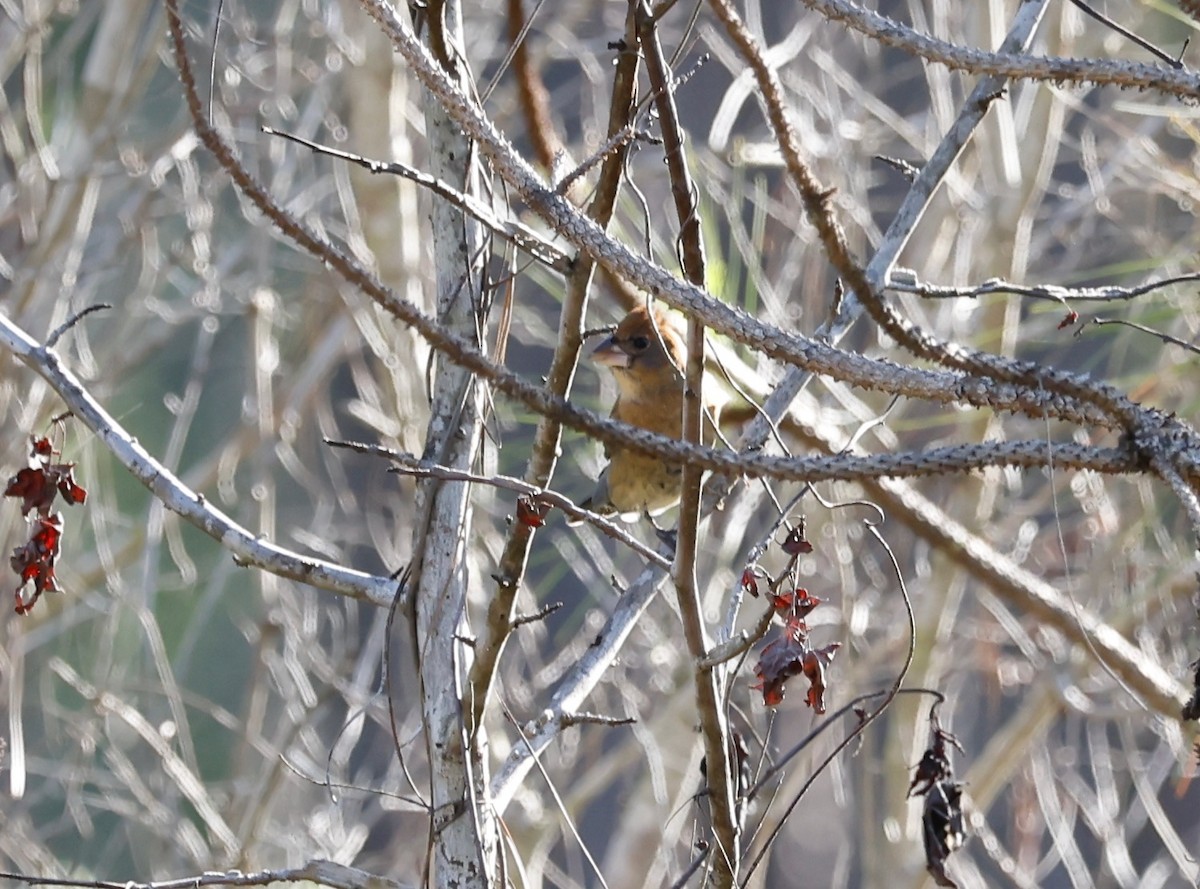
640,342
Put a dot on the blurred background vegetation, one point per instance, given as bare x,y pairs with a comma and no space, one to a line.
230,356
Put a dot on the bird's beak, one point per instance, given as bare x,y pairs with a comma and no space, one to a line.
610,354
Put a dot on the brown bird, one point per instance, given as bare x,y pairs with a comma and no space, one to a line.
647,355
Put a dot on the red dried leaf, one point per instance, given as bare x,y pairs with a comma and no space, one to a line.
31,486
789,655
796,603
37,485
71,492
44,582
779,661
803,603
34,561
815,662
1068,319
750,582
48,534
531,511
781,601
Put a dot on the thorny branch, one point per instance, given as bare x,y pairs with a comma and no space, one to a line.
1170,81
851,367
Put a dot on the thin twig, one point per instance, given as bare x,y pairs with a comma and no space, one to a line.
906,281
1088,9
403,579
558,801
1158,334
414,466
514,230
829,721
520,620
324,873
56,334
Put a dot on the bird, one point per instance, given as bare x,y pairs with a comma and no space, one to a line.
647,355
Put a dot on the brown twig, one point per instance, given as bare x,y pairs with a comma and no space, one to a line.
709,698
531,90
543,457
56,334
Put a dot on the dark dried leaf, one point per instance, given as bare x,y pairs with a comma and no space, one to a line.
31,486
781,659
930,769
942,828
789,655
796,543
1191,710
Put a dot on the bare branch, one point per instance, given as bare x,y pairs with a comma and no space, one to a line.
906,281
1158,334
56,334
1089,10
318,871
247,549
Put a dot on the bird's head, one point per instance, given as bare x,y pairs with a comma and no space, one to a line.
645,342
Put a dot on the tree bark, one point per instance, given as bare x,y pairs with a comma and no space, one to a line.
463,839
